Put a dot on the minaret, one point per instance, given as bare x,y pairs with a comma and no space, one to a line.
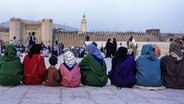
83,24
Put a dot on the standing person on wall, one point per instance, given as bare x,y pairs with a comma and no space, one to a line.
32,39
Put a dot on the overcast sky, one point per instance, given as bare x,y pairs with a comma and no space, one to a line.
106,15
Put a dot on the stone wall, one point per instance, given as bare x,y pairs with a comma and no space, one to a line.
4,35
69,38
77,39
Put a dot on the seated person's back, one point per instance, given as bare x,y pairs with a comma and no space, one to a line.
52,75
34,66
69,71
93,67
122,73
10,67
172,67
148,68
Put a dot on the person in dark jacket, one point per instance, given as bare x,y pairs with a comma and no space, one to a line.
172,67
32,39
10,67
128,42
114,46
122,73
108,48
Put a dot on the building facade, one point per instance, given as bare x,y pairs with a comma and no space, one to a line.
21,29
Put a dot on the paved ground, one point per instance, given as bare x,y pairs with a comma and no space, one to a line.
87,95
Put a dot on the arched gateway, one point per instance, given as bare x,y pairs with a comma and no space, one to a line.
21,29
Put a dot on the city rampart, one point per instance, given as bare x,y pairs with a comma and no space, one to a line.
77,39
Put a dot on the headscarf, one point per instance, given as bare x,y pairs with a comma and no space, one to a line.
35,49
69,59
66,49
134,43
92,49
148,51
10,52
120,56
175,50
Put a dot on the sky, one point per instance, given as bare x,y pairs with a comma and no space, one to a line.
101,15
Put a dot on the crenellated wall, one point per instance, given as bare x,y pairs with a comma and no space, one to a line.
77,39
70,38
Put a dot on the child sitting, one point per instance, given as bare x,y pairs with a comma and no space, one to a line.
52,75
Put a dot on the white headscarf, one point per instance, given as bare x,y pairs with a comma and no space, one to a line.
134,43
69,58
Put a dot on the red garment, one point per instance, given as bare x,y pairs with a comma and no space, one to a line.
34,69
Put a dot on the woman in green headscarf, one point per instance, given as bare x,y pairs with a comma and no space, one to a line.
10,67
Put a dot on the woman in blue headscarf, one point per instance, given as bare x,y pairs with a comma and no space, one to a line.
148,72
93,67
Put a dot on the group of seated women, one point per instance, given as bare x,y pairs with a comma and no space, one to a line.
147,70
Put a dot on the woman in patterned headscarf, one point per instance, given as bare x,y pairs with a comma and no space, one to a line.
172,67
69,71
93,67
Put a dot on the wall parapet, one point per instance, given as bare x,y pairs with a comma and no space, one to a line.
3,29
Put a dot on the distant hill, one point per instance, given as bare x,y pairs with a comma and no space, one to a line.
4,24
64,27
55,26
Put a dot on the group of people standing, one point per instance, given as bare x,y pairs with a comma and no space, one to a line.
146,71
110,48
